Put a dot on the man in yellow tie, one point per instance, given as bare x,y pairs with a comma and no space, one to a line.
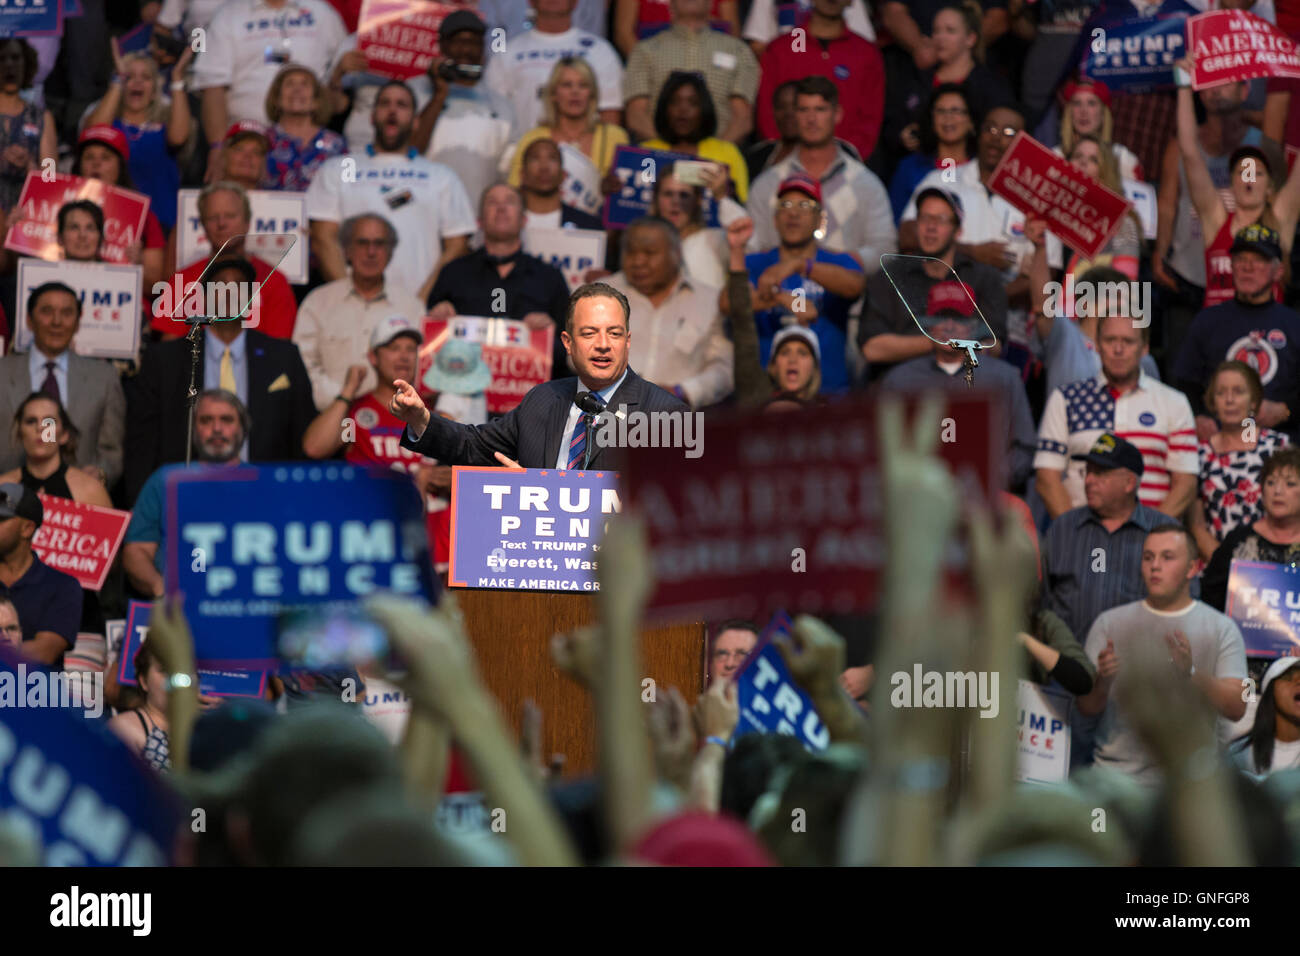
266,374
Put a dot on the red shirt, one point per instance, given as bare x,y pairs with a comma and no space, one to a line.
1218,269
277,309
349,10
855,66
378,442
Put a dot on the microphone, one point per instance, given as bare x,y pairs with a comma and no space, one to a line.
589,403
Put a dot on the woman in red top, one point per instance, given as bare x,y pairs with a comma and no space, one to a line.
1254,192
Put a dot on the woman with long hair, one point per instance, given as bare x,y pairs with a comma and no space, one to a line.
298,106
48,438
27,136
1273,742
1232,459
687,122
1090,156
586,144
1260,192
1087,113
947,138
156,127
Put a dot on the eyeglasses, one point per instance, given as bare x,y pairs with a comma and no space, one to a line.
936,220
18,629
807,205
730,655
1006,132
371,243
951,111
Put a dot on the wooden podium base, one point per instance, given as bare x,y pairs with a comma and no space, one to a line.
511,631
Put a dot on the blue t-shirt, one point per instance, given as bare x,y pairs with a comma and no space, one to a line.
832,315
147,515
46,600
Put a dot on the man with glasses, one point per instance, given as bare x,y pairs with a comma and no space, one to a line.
335,320
731,645
800,282
889,334
11,632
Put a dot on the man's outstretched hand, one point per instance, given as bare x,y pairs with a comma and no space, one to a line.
409,407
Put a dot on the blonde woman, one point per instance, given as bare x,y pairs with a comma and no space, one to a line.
586,145
1090,156
298,106
155,127
1087,113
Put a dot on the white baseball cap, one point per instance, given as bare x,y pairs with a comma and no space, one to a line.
801,332
391,327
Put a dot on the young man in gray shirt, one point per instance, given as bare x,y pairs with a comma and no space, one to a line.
1204,646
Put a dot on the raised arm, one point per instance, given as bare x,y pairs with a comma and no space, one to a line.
1203,194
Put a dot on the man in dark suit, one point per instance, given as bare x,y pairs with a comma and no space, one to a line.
546,429
266,374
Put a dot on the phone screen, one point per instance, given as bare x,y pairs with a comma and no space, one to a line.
333,636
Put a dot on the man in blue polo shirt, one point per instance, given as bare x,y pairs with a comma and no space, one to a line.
48,601
800,282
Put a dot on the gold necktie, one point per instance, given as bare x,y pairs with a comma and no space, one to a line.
228,373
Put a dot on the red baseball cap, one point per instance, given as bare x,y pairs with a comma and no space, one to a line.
693,838
1101,90
248,128
948,297
801,182
110,136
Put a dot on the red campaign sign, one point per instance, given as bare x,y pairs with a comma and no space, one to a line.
724,526
36,233
400,37
516,356
1231,45
80,539
1079,210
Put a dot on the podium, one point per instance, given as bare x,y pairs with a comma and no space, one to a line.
511,633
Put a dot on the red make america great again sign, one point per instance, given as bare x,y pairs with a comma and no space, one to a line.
725,526
80,539
1080,211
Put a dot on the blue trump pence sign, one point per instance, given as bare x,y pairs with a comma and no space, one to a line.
770,701
533,529
247,545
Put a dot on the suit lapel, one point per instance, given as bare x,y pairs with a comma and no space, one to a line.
20,379
260,374
555,424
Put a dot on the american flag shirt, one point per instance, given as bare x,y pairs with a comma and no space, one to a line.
1154,417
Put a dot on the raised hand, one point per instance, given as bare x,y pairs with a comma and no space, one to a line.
577,654
441,674
673,738
409,407
717,711
739,232
356,374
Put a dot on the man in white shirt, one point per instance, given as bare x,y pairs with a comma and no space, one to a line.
247,43
521,69
336,319
424,200
1204,647
681,344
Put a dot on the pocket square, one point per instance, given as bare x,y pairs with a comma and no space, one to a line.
280,384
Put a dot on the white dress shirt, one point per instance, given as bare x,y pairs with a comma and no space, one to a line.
682,342
570,423
333,332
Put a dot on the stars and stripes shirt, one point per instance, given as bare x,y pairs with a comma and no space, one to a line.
1154,417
